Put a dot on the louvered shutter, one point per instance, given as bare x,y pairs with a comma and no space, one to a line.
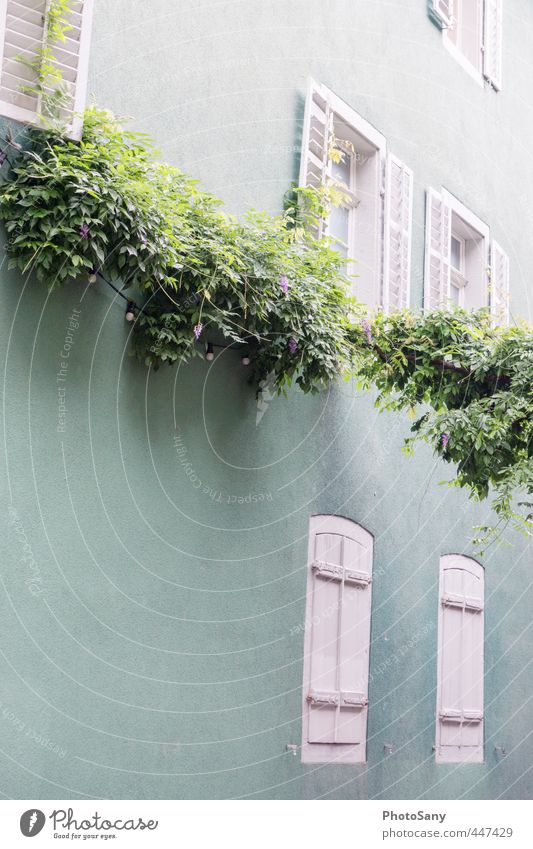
22,33
492,42
315,140
437,260
460,661
499,284
443,11
398,225
337,641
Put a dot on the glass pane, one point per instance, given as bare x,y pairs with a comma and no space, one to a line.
456,253
339,223
455,294
341,170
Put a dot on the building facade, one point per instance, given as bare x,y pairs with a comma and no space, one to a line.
177,553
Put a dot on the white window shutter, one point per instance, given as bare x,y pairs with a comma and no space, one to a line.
499,284
337,641
315,141
315,137
459,735
398,228
437,259
22,33
443,11
492,42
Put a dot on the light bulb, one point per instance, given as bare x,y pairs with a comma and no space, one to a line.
130,311
245,360
92,278
209,353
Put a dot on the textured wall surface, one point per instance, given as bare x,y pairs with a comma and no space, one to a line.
154,550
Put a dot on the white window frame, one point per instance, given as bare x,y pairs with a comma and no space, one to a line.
459,56
325,108
337,752
451,207
490,37
472,715
475,223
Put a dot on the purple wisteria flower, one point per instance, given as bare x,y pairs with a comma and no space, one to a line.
444,439
84,231
3,156
197,330
284,283
367,330
292,345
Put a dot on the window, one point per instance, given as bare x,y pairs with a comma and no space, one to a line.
472,32
337,641
459,734
22,31
458,270
370,224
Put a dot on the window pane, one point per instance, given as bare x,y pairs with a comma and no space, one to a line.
456,253
341,170
339,223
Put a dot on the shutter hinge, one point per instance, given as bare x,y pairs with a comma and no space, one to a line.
327,570
336,573
315,698
461,602
349,699
344,699
451,715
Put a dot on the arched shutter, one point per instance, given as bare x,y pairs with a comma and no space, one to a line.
337,644
492,42
437,259
398,226
23,26
460,661
499,284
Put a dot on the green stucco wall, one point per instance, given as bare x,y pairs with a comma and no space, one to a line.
154,551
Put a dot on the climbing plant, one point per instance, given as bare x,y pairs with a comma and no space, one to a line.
265,285
46,77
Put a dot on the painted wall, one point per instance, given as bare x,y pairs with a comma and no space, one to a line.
154,550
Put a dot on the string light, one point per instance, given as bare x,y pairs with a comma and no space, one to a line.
245,360
130,311
209,353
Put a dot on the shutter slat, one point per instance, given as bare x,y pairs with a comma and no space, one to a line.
499,285
22,32
437,259
492,42
398,229
315,135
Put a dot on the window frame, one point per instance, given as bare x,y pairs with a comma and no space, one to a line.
459,56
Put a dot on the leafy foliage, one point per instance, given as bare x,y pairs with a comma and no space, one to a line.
475,386
108,204
266,286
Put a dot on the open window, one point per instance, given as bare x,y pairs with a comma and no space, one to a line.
370,221
337,641
457,267
23,34
459,734
472,32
